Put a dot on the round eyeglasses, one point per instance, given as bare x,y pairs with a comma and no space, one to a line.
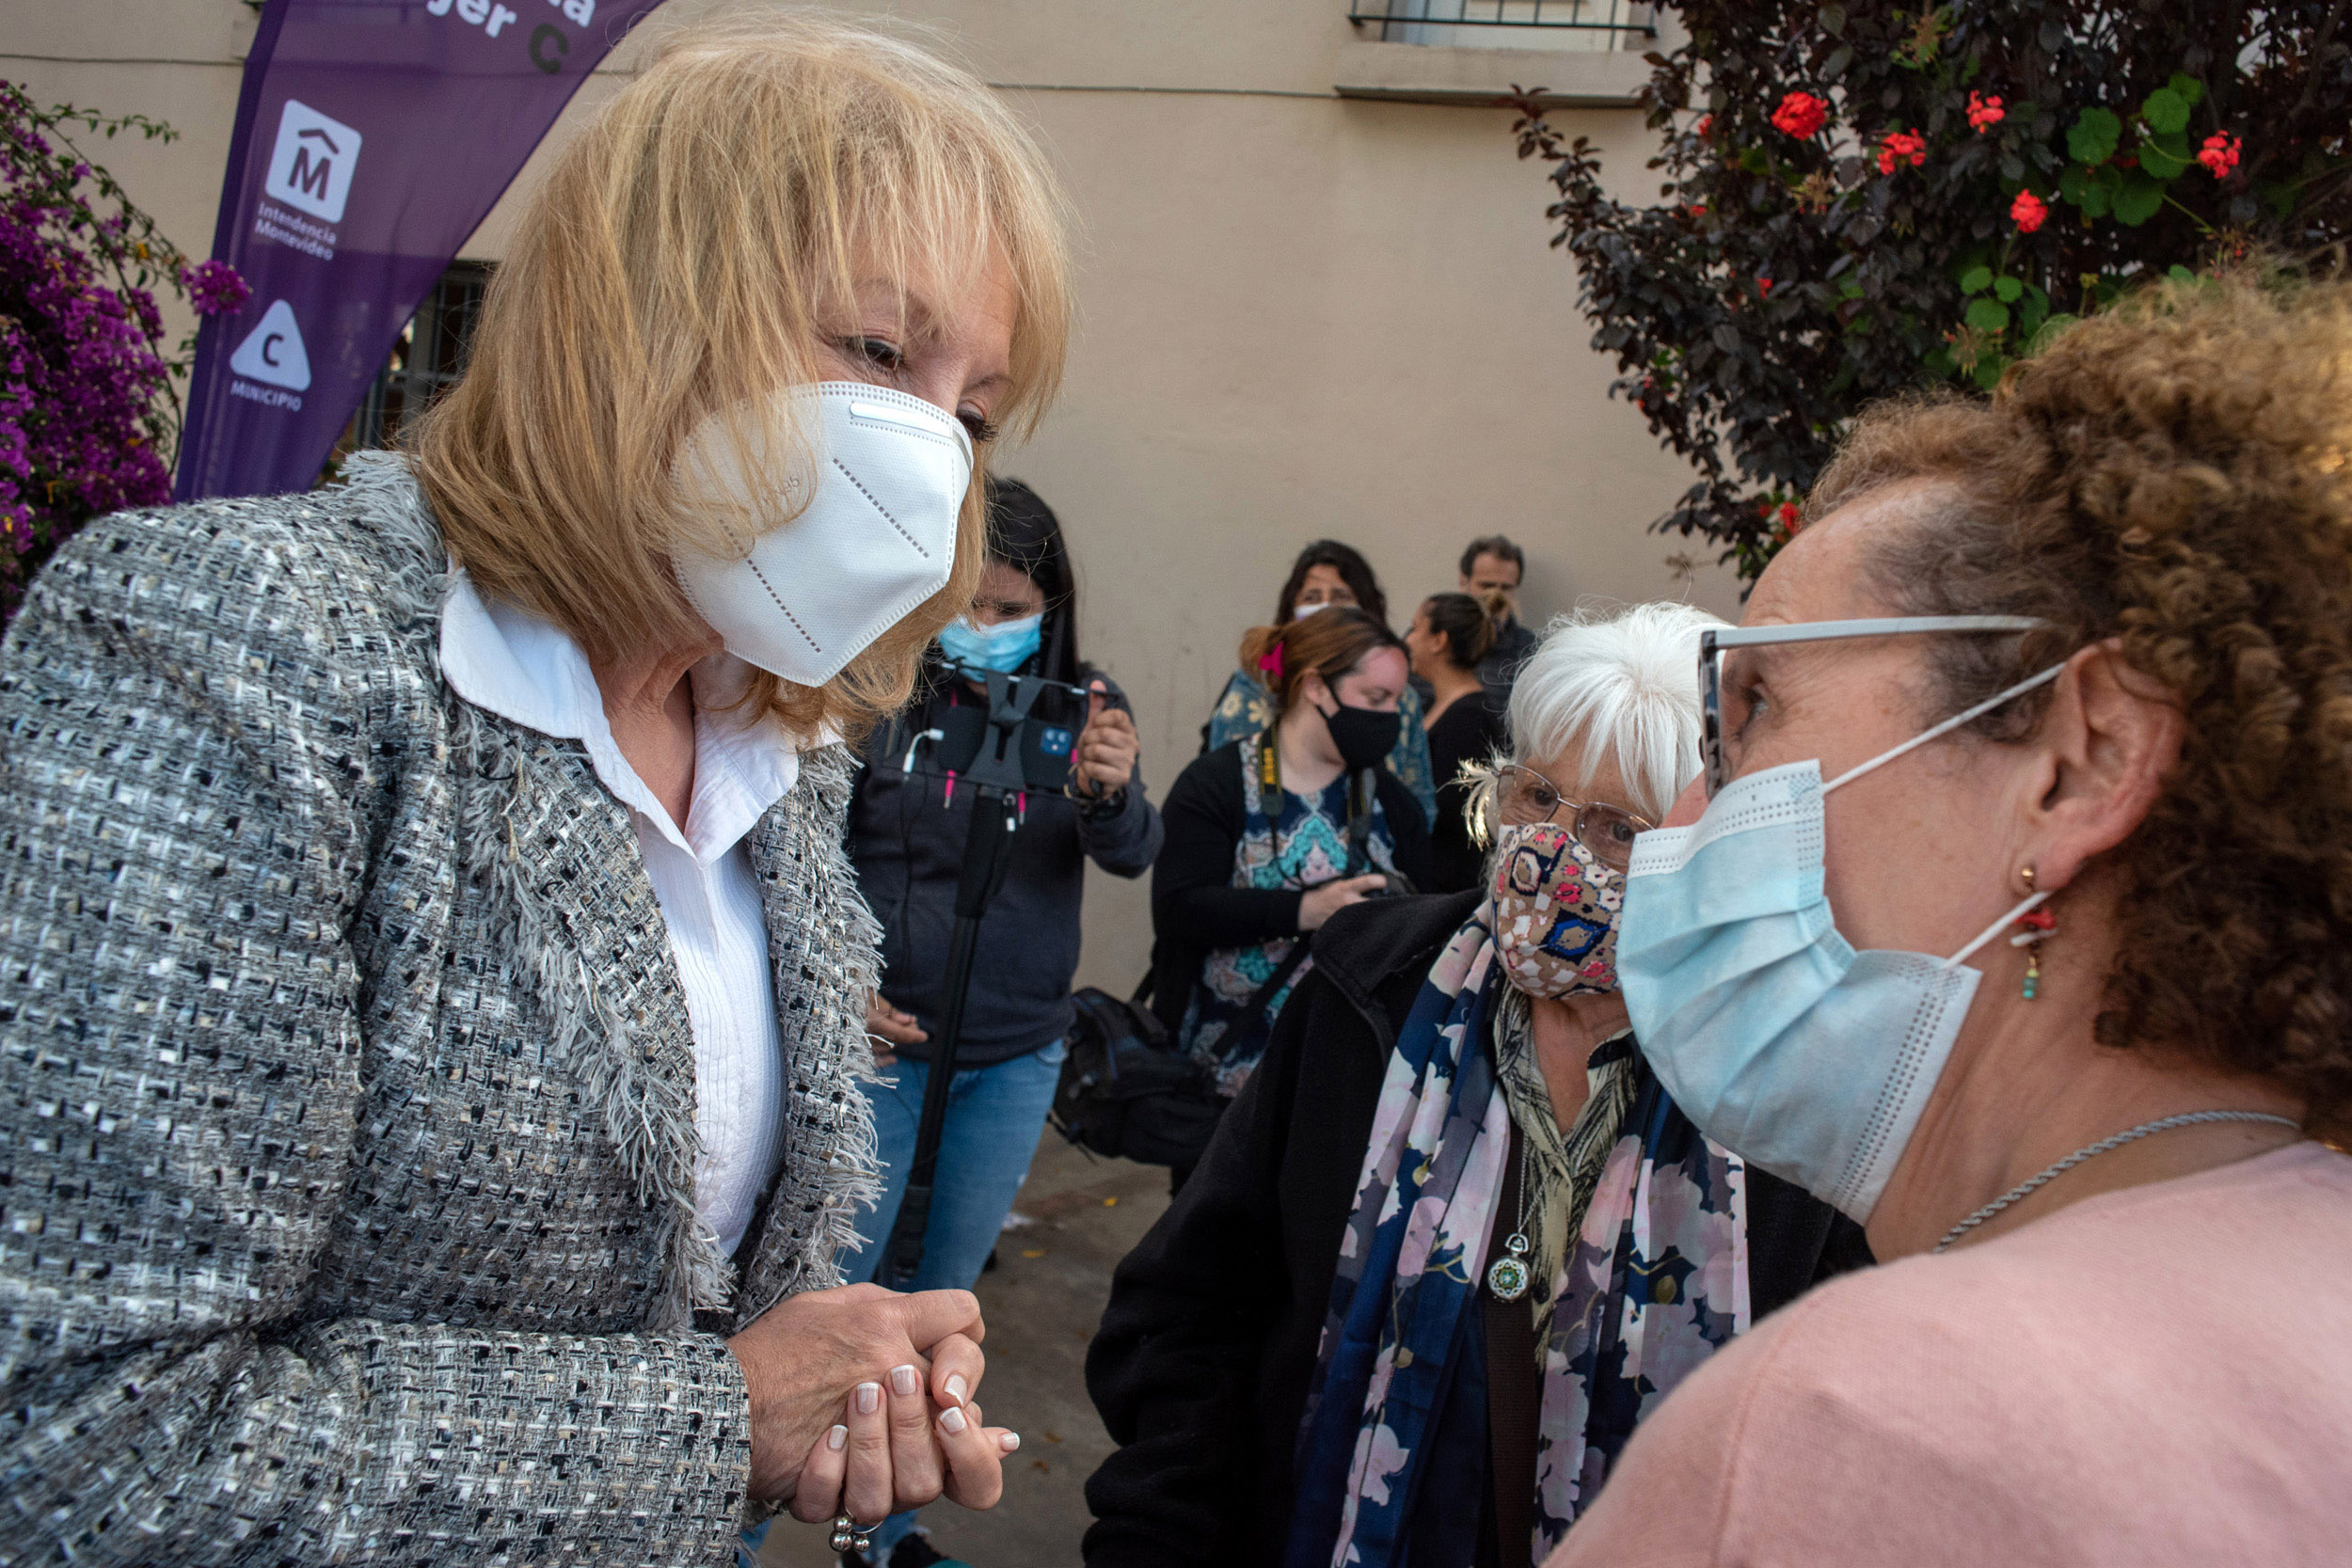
1524,797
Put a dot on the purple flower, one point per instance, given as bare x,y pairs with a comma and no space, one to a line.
84,393
214,287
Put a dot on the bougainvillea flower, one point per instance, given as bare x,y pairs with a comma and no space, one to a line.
1985,113
214,287
2028,210
2220,154
1902,147
1801,115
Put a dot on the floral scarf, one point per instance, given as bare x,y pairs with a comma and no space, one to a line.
1391,1448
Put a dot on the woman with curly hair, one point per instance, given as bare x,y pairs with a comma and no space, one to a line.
2013,915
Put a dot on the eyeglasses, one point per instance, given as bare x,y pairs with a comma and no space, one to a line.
1524,797
1713,644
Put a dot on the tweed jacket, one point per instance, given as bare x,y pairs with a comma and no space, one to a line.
346,1085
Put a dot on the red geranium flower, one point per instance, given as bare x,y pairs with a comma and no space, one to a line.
2028,210
1801,115
2220,154
1985,113
1706,123
1902,147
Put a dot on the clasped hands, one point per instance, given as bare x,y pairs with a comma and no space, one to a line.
860,1403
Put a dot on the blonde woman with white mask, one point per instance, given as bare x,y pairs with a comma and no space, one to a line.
459,977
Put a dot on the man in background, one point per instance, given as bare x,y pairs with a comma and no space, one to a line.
1489,565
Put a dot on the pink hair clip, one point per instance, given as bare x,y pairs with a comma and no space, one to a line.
1271,662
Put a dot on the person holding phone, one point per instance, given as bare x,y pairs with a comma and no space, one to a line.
1271,835
907,835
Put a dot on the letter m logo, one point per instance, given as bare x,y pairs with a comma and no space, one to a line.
311,166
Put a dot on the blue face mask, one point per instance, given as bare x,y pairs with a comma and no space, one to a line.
1774,1035
1003,647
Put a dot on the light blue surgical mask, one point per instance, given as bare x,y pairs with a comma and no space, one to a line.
1775,1037
1003,647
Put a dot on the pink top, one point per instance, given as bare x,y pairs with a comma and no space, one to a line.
2155,1376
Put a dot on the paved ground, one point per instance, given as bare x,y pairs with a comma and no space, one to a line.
1041,1305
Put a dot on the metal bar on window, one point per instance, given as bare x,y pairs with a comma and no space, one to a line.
1408,21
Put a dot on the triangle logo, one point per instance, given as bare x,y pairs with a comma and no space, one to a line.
273,352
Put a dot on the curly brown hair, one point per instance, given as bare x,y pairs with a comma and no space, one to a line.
2172,474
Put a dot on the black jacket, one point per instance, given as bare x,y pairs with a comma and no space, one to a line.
907,843
1195,906
1202,1364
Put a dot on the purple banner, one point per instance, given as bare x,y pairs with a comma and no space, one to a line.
373,136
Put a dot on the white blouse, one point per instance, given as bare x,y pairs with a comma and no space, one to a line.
506,659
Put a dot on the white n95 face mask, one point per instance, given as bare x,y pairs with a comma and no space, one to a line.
878,536
1775,1037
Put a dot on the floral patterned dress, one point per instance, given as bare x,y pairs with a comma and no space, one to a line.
1290,841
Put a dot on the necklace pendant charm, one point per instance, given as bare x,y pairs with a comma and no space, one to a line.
1507,1277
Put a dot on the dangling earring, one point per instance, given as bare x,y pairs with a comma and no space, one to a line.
2038,924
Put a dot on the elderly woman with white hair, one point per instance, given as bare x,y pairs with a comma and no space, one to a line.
1453,1241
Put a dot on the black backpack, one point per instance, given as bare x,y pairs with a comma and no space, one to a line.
1127,1092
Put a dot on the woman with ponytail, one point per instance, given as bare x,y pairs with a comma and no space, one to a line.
1451,634
1270,834
1327,575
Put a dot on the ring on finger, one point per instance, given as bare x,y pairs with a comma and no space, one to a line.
848,1536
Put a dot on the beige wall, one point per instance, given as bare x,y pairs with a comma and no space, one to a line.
1302,314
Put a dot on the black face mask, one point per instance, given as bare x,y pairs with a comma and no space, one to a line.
1364,735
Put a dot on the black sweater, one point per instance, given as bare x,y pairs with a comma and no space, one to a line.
1202,1365
1195,906
1470,729
908,846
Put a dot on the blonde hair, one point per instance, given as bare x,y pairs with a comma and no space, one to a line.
683,261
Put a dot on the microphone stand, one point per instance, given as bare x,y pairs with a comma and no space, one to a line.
995,773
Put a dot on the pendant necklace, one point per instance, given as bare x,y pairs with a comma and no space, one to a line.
1507,1277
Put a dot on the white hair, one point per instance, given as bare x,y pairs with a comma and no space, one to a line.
1627,685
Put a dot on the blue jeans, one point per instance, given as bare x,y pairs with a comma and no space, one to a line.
994,1114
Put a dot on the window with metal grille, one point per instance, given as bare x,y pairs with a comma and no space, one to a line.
428,357
1594,24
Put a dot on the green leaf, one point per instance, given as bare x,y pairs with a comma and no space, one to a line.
1754,161
2180,274
1989,370
2167,157
2192,92
2165,111
2050,330
1975,279
2006,291
2094,137
1988,315
2279,198
2075,184
2139,200
1833,19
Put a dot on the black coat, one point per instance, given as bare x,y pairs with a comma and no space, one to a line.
907,842
1202,1365
1195,906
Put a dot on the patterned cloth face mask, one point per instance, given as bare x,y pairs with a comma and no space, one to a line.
1555,910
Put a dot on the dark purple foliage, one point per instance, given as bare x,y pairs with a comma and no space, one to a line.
1862,196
